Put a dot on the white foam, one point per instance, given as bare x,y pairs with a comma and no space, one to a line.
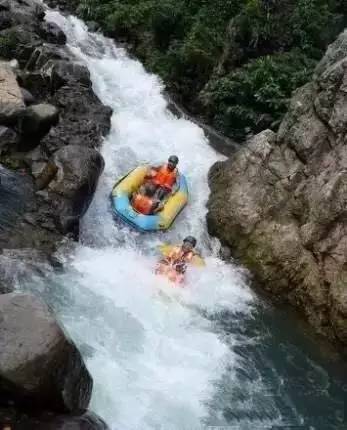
155,356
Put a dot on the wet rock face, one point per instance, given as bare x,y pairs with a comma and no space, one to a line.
38,363
37,120
77,176
52,33
281,202
84,421
46,105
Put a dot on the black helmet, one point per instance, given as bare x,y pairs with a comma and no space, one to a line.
173,159
191,240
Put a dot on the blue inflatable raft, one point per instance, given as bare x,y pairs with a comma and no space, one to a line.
121,205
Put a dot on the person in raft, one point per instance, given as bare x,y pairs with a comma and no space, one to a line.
179,256
144,200
165,178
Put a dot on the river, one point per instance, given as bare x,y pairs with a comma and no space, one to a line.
211,354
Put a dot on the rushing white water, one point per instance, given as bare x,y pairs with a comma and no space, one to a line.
156,360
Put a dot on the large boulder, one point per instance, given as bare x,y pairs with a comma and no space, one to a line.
83,119
85,421
37,120
52,33
64,72
16,195
29,99
75,182
5,20
11,98
28,12
280,203
39,364
18,42
19,265
8,139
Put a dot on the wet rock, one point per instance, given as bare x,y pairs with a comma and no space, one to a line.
280,203
34,219
52,33
18,42
20,265
64,72
83,119
5,20
4,5
8,139
43,55
36,83
37,120
39,365
11,98
27,12
29,99
78,172
44,174
85,421
93,26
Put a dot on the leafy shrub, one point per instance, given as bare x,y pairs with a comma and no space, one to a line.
8,45
232,62
256,95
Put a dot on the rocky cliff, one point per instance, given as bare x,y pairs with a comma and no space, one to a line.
280,203
51,125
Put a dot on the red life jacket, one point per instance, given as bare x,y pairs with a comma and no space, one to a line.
165,178
177,255
143,204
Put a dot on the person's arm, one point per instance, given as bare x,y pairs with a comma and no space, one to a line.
158,206
176,186
153,170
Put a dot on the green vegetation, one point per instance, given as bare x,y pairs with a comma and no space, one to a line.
8,44
234,63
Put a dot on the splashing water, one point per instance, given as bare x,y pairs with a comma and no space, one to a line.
157,355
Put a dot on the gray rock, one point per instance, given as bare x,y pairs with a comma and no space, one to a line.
37,120
93,26
36,83
78,172
8,139
83,119
21,42
52,33
11,98
44,54
27,13
38,363
31,215
4,5
5,20
280,203
64,72
19,265
85,421
29,99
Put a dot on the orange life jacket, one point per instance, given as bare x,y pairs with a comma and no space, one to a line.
165,177
143,204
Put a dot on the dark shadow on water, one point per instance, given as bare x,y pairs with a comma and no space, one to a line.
282,377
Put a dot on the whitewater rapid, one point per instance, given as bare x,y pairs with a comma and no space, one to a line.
164,358
154,357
